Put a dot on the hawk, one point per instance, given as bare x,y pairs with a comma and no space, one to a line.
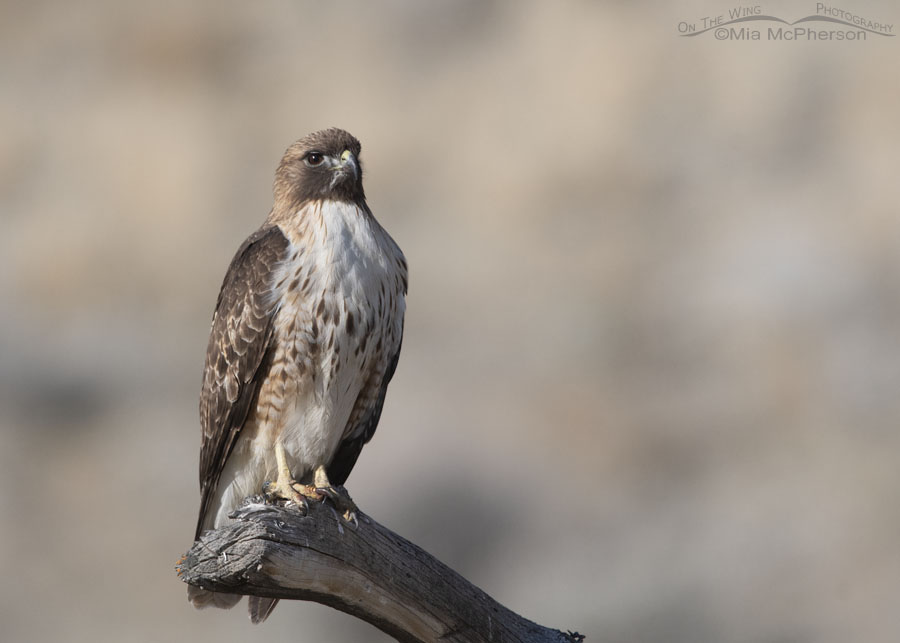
305,338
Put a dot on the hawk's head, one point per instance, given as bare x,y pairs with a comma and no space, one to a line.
321,165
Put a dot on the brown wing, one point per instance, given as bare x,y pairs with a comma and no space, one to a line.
363,422
240,344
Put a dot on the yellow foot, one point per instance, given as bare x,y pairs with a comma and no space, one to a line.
286,488
289,489
336,494
341,501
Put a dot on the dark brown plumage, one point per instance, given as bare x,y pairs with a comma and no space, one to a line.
239,342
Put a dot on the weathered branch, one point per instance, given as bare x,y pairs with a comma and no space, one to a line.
367,571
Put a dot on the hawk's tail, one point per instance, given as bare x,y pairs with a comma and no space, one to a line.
260,608
202,598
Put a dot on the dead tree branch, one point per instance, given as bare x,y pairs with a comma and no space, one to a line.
367,571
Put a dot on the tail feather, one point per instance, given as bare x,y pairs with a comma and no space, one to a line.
203,598
260,608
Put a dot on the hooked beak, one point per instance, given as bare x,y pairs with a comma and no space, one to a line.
349,164
346,170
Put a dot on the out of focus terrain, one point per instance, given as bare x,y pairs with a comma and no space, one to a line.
652,347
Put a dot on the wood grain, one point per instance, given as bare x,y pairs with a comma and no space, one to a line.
365,570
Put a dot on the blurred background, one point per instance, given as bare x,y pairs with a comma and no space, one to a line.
649,384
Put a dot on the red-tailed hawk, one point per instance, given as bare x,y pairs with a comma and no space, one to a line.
305,338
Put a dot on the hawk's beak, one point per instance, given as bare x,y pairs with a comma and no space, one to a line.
349,163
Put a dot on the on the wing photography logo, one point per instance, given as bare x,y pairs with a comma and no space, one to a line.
749,23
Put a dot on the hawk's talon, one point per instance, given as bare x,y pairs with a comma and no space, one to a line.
308,491
286,487
342,502
273,495
326,492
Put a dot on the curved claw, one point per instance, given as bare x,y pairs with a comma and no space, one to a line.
342,502
329,492
268,491
350,517
273,492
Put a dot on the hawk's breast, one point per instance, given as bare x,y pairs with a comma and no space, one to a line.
341,289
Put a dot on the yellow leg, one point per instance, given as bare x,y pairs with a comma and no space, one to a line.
320,478
285,487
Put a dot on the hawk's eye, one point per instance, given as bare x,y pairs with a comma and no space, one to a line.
314,158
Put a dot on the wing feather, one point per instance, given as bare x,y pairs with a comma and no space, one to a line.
240,345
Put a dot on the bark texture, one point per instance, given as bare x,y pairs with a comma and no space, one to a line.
365,570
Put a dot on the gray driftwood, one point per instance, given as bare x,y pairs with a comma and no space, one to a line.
367,571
